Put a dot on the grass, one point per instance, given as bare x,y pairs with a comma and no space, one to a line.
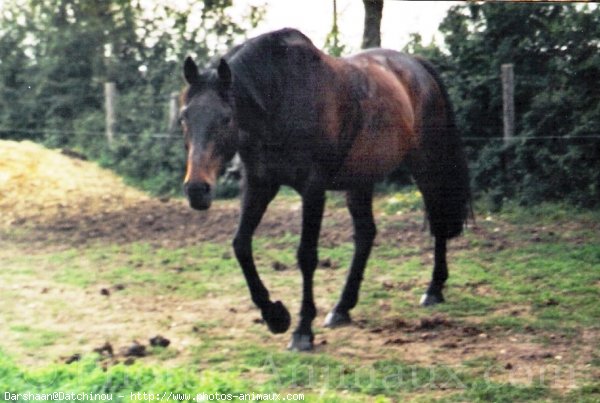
545,213
502,281
120,382
400,202
315,377
31,338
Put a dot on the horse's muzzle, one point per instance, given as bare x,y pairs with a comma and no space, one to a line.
199,195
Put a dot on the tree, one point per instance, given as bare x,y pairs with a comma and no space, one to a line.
55,56
333,46
554,47
14,76
372,27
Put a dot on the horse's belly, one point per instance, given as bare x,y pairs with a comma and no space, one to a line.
373,156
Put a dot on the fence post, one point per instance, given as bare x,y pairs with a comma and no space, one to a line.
508,101
110,98
508,118
173,111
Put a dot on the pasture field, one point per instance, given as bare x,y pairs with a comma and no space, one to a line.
521,322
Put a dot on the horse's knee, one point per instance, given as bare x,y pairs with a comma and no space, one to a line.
241,247
366,232
371,231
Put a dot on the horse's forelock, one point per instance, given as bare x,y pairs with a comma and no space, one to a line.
208,79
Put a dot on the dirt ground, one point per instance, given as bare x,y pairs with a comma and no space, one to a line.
89,216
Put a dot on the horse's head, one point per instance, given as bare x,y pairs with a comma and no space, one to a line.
209,129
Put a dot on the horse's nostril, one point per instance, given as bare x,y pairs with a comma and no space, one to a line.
199,189
204,187
198,195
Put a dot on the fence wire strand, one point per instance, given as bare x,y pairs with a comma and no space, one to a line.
174,135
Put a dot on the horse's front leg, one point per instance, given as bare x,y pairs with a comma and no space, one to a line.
360,204
313,203
255,200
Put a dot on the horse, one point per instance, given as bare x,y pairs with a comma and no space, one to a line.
301,118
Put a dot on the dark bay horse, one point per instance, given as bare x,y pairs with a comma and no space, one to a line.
301,118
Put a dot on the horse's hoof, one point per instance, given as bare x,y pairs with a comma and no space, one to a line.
336,319
301,342
431,299
277,317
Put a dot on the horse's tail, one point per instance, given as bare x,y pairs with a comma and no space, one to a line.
440,166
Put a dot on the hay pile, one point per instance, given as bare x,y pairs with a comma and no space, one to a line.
38,184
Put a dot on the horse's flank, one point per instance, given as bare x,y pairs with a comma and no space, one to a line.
389,90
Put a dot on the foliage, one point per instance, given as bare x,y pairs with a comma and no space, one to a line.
55,56
554,49
333,45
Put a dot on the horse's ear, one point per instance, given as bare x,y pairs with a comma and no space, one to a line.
190,71
224,74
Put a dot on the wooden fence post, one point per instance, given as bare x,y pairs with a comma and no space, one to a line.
508,101
173,111
508,118
110,98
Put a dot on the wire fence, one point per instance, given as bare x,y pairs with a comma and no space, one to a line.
33,132
168,135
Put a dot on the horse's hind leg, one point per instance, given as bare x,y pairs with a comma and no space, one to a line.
313,203
434,295
360,204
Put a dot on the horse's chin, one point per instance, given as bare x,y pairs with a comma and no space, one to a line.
200,205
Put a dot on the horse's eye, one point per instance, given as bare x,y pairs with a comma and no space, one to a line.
183,123
182,116
226,120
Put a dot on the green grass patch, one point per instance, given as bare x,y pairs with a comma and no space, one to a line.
392,378
125,383
481,391
406,200
545,213
120,382
33,338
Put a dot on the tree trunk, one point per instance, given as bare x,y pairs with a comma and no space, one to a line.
372,32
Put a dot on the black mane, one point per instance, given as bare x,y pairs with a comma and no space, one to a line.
278,72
